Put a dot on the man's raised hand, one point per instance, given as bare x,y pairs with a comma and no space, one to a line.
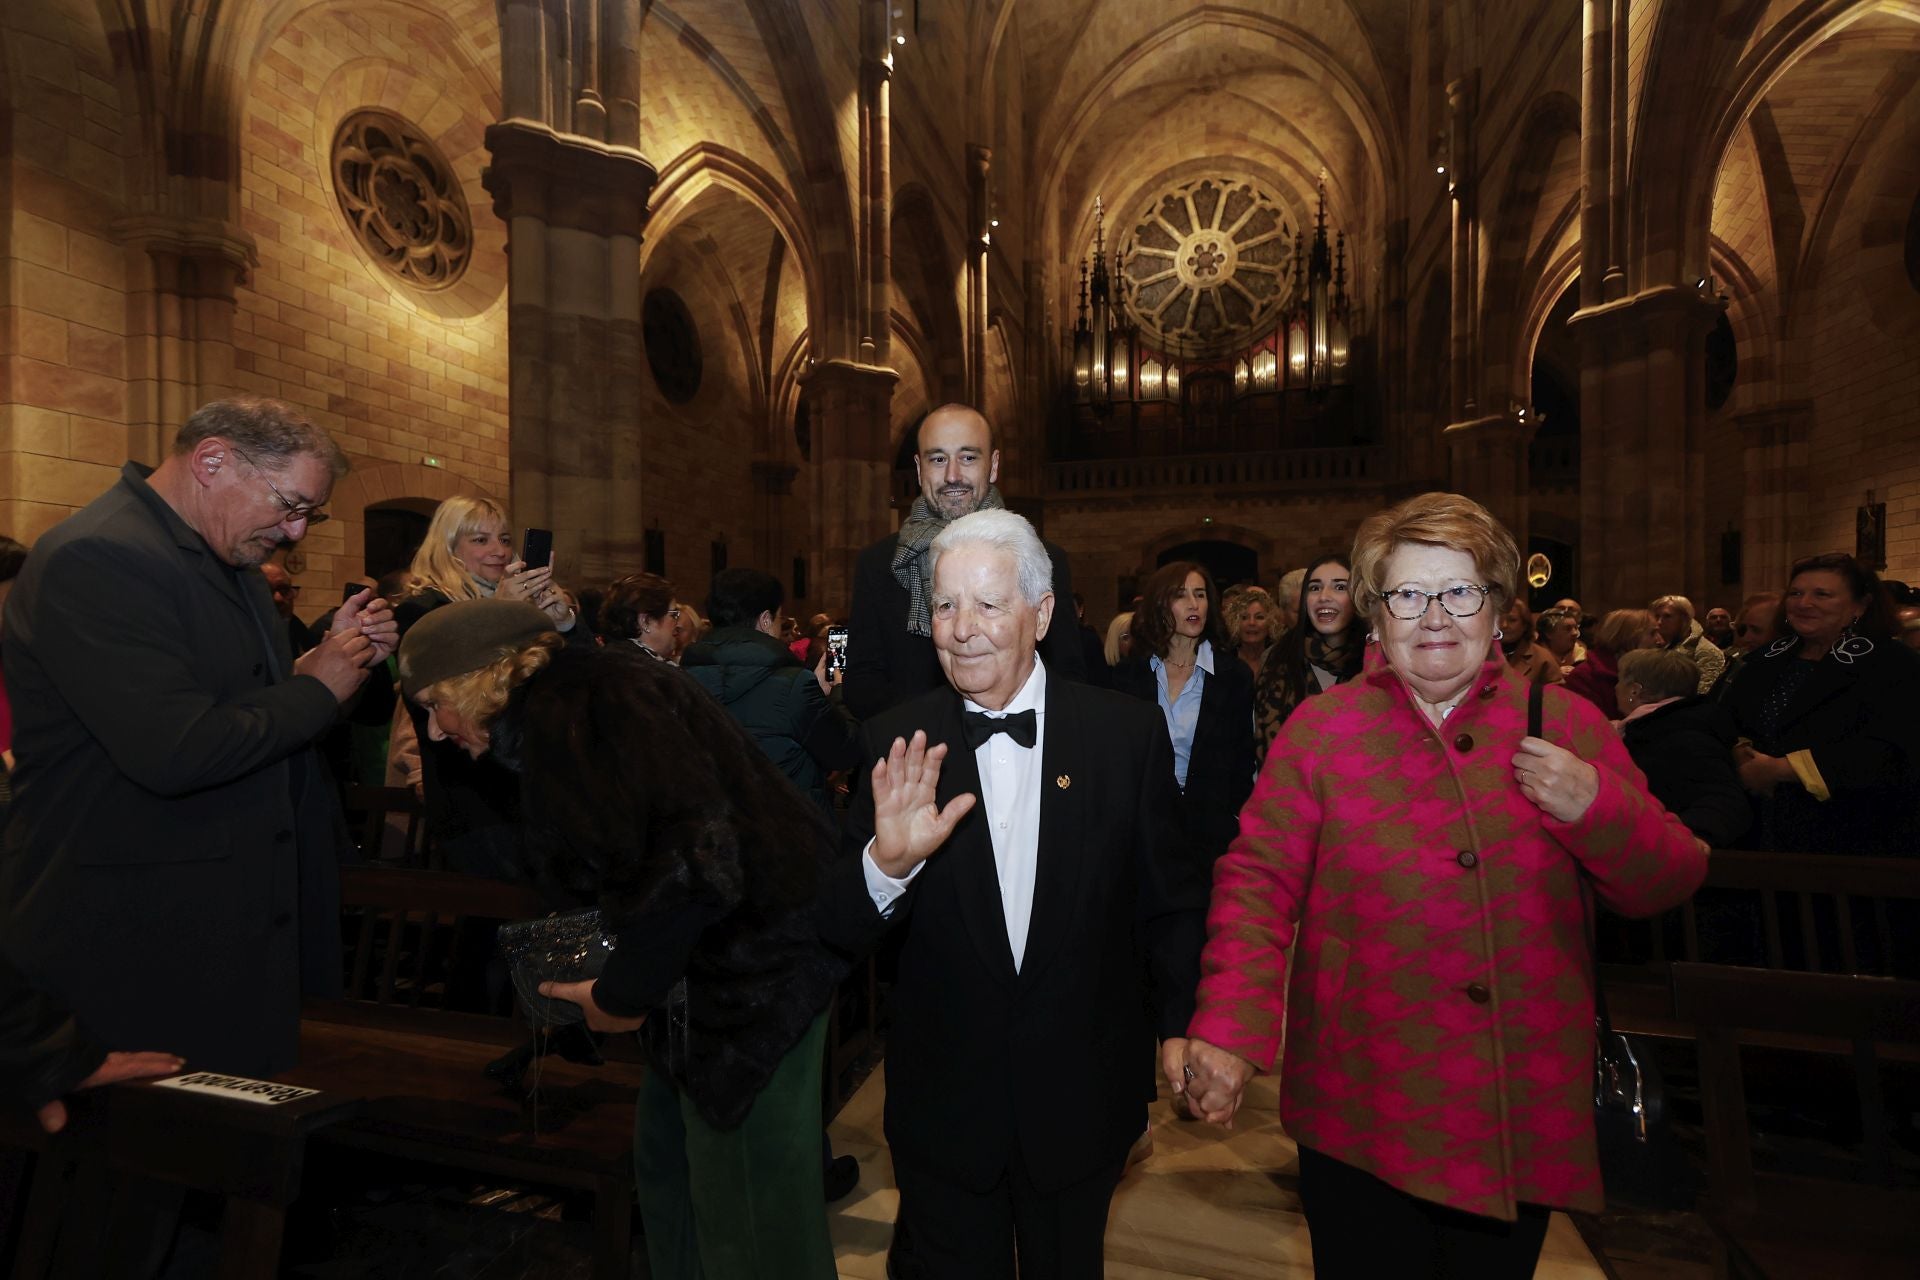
908,823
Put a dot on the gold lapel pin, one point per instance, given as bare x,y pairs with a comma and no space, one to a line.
1063,782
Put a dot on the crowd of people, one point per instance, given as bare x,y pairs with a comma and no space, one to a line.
1370,806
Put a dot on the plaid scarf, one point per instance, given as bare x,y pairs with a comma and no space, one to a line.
922,525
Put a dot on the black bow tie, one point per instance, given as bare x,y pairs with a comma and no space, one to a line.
1022,726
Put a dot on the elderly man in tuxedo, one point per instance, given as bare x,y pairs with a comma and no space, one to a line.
1018,830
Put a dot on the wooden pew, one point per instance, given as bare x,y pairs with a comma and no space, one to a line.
417,1067
1775,1226
93,1183
368,808
1640,997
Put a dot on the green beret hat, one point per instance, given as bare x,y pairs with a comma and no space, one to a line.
465,636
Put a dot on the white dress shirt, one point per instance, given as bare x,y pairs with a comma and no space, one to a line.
1010,791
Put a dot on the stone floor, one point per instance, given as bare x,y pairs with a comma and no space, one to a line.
1209,1204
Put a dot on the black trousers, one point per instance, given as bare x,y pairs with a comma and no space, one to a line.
966,1235
1363,1228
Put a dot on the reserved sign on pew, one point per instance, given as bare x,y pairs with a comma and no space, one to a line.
240,1088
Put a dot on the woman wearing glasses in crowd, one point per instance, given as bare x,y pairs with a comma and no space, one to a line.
1183,661
640,611
467,554
1425,864
1323,647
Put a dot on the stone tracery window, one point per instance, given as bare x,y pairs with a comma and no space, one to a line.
1208,262
402,199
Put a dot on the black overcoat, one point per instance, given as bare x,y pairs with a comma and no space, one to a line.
1220,766
1858,713
170,867
1057,1056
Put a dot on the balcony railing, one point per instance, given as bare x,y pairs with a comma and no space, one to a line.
1291,469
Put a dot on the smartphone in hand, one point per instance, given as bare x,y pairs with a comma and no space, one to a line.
836,651
536,548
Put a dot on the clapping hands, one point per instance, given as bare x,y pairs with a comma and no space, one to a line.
1208,1080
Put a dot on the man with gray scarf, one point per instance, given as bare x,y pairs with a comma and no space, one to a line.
890,654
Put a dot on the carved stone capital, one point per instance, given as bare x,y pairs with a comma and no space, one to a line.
1655,317
565,180
192,257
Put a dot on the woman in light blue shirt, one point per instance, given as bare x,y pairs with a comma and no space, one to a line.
1183,663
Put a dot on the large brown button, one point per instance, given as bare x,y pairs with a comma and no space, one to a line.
1487,691
1479,994
1468,858
1463,743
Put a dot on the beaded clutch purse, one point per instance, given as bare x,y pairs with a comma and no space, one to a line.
568,946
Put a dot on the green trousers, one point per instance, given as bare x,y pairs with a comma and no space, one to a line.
736,1204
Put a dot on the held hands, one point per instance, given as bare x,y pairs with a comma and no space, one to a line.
598,1019
1210,1081
1760,773
373,618
908,824
117,1068
1559,782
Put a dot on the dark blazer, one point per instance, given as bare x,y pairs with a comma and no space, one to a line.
1112,954
1686,750
1861,721
170,870
44,1052
1220,767
886,665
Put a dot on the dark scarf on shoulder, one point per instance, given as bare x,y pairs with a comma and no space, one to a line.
1286,677
923,524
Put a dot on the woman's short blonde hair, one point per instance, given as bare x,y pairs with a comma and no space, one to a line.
435,566
1116,629
481,695
1622,631
1239,601
1437,520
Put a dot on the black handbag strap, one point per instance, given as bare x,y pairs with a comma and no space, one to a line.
1536,724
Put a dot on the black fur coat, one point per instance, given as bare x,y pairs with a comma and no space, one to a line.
642,795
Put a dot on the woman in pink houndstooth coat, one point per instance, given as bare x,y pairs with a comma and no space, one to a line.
1430,866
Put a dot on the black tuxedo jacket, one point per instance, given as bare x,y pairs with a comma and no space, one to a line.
1058,1056
1220,767
887,665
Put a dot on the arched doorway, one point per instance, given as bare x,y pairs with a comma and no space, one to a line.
394,531
1228,562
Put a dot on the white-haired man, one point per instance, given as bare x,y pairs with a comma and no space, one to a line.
1673,615
1017,831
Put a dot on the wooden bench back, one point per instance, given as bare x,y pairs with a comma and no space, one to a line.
1721,1002
409,932
369,808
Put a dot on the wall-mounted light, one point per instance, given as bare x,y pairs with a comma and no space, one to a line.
993,222
900,39
1440,169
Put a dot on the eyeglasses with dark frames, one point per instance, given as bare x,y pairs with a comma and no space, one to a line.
291,511
1409,604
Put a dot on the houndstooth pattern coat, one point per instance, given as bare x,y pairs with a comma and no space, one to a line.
1439,1012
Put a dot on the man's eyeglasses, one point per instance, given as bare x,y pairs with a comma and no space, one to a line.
291,511
1409,604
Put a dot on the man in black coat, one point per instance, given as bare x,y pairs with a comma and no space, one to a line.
169,872
889,641
1017,831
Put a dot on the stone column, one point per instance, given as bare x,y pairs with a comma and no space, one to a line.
1773,516
1463,180
876,165
1489,465
979,247
573,210
182,274
1642,447
850,406
568,179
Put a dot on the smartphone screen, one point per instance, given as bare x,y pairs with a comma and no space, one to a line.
836,649
536,549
